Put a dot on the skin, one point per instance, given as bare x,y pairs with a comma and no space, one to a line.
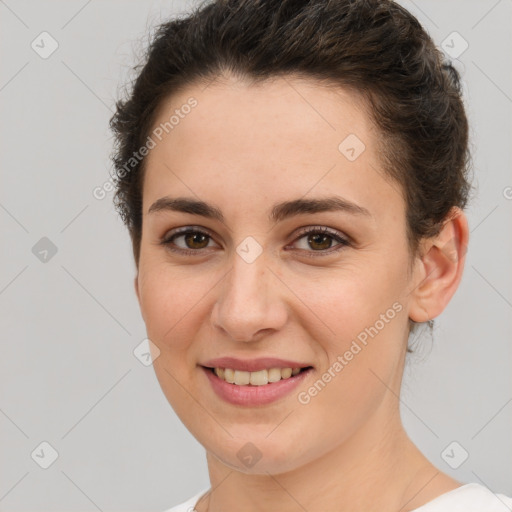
243,148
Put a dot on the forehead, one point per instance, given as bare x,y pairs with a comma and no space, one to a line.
271,141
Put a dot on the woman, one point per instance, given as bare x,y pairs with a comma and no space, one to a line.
293,175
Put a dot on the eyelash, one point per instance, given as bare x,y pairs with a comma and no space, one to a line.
318,230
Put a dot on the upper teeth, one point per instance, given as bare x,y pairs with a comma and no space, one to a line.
258,378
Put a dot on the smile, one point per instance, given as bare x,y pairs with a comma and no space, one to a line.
254,388
259,378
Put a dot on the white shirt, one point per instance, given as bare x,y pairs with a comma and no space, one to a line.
471,497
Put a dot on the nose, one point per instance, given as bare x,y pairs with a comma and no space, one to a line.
249,304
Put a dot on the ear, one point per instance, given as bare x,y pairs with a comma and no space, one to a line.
440,268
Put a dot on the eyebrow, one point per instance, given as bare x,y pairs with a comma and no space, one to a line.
279,211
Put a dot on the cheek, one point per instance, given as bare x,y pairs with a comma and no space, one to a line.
344,302
171,304
362,355
358,319
168,301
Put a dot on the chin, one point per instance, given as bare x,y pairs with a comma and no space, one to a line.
259,454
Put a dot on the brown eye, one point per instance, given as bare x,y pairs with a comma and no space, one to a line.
320,240
195,240
187,241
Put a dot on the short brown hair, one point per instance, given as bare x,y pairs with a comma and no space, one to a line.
374,47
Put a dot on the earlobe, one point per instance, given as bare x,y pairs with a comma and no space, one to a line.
441,266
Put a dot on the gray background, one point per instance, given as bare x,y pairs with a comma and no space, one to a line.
69,325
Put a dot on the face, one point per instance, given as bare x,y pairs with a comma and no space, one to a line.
273,270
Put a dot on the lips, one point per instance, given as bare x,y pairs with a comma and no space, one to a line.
248,395
254,382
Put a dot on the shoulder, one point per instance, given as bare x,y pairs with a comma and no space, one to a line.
470,497
187,506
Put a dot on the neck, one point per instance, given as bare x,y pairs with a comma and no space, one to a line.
392,472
